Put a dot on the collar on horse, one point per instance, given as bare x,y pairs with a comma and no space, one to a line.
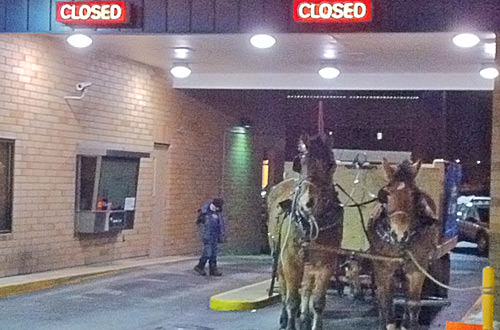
307,223
383,229
382,224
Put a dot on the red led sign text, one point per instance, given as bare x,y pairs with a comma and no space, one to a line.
331,11
91,13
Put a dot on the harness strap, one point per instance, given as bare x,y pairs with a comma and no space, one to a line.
362,203
307,223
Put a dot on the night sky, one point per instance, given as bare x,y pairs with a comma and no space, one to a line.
430,124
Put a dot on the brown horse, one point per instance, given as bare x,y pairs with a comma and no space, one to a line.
406,222
305,214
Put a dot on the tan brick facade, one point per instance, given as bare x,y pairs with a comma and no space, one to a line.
130,106
495,187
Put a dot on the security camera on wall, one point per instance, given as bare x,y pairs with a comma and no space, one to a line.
83,85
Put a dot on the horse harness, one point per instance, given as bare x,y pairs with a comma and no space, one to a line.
382,222
307,223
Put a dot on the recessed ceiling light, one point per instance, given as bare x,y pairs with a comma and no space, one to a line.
489,73
490,48
181,52
329,72
329,54
262,41
79,40
180,71
466,40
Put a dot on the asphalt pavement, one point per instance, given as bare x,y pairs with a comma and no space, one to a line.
170,296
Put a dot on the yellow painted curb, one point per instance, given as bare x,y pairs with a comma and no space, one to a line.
225,301
26,287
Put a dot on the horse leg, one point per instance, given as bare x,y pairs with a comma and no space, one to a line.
292,306
292,297
385,290
305,310
318,299
415,283
284,315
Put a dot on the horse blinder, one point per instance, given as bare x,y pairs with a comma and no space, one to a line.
382,196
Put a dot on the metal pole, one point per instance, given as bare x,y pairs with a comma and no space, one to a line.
444,137
488,297
321,119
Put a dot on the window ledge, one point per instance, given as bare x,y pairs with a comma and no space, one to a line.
7,236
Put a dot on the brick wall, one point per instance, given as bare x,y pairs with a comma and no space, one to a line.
129,106
495,187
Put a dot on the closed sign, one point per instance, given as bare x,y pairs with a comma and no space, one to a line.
91,13
318,11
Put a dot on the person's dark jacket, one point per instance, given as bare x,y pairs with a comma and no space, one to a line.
212,225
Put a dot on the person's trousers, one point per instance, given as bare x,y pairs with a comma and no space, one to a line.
209,253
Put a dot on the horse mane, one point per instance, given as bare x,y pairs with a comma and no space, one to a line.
404,172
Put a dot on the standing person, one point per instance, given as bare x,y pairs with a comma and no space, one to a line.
212,229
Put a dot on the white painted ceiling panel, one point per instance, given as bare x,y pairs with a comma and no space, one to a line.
368,61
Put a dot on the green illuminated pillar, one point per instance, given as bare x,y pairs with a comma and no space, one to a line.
241,190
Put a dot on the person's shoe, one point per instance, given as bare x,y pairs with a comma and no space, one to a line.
215,272
200,270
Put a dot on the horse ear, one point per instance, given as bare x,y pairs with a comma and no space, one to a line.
305,140
428,208
416,167
389,171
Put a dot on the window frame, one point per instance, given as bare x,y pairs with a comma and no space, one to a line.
10,183
129,214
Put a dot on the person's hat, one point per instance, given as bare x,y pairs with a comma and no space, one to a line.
218,202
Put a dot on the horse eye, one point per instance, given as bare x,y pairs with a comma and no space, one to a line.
310,203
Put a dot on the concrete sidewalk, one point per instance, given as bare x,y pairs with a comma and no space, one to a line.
244,298
44,280
248,297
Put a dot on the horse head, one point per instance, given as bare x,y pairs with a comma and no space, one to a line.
408,208
316,167
317,162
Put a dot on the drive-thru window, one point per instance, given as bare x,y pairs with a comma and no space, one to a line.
106,193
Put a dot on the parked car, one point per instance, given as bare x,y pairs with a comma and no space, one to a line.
473,221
